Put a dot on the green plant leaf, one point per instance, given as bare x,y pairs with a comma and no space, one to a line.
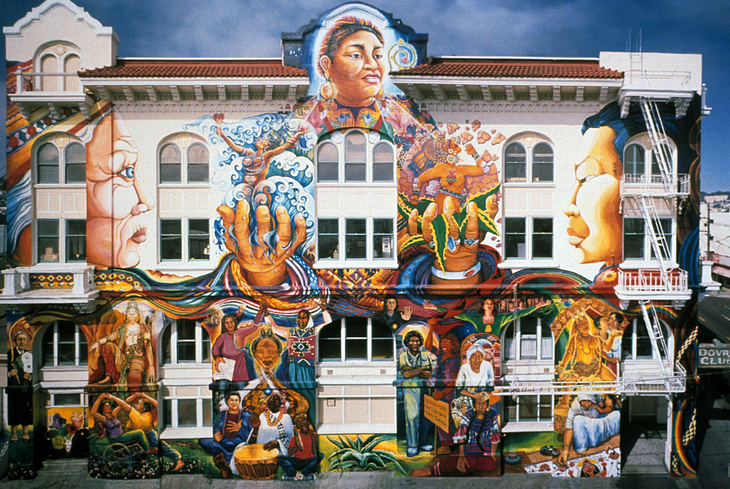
373,441
340,452
358,443
346,441
440,232
385,454
335,442
399,467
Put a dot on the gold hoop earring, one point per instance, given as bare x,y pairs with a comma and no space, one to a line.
327,90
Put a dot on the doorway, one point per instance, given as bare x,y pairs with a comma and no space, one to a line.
644,441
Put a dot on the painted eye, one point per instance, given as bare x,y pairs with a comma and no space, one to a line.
587,178
127,172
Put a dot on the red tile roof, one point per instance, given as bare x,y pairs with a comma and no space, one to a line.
154,68
511,68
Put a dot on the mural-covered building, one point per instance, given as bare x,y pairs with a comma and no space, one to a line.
358,256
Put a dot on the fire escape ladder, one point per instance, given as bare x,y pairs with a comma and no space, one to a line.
660,245
660,144
659,345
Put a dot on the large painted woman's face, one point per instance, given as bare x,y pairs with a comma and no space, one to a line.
357,69
267,353
595,227
116,199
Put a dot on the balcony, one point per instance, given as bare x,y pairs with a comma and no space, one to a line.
54,91
642,185
648,284
46,284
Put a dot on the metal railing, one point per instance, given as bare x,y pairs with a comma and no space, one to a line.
649,281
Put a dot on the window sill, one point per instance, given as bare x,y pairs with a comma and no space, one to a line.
644,264
355,264
174,185
534,263
65,186
187,433
177,266
528,184
350,428
527,426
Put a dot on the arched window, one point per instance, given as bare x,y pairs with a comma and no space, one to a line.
61,158
528,338
184,158
639,150
529,157
185,341
636,342
63,344
362,157
58,58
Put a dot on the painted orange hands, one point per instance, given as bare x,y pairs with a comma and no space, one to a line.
461,263
262,264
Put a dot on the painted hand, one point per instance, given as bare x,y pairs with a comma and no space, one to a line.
461,259
261,264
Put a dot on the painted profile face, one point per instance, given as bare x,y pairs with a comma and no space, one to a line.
475,361
230,325
116,199
595,226
266,353
356,69
107,411
139,406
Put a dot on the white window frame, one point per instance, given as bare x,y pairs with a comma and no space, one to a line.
61,52
347,384
529,259
78,339
184,380
62,235
52,393
185,238
61,141
647,176
183,142
514,424
648,260
341,261
343,341
200,333
634,339
516,328
529,142
372,139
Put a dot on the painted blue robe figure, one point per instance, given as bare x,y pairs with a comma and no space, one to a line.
232,428
417,367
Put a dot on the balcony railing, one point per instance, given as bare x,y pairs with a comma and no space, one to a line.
642,184
651,281
39,82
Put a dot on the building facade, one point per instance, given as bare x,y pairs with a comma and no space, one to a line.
358,256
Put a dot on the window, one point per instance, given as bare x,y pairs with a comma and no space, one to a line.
183,158
185,353
59,58
366,240
518,246
55,247
636,342
355,157
61,159
529,158
75,240
189,238
63,345
527,409
185,341
356,339
639,151
638,245
529,338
